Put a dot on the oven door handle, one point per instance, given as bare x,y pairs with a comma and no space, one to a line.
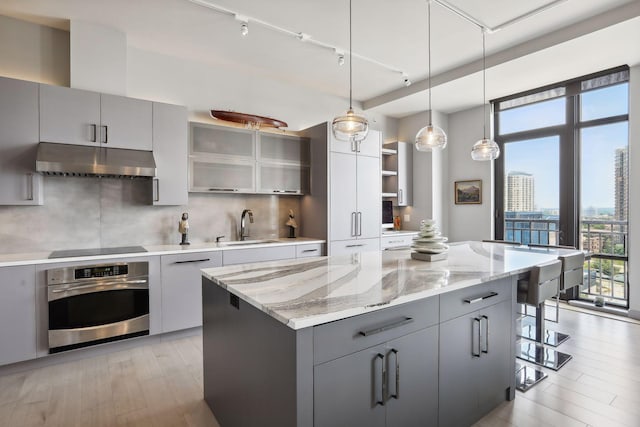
99,287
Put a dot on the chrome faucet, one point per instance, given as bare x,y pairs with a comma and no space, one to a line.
242,223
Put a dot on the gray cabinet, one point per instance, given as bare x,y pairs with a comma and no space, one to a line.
17,314
182,288
392,384
370,146
80,117
474,364
19,138
170,186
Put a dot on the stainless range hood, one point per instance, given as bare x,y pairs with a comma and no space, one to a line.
80,160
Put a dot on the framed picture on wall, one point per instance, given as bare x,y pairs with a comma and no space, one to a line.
468,192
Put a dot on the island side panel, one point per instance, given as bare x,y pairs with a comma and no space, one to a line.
257,371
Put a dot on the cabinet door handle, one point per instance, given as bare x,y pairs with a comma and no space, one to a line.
358,146
94,133
223,189
156,190
352,141
193,260
106,134
29,186
396,391
475,300
473,336
400,198
310,250
354,246
353,224
486,334
383,373
393,325
359,221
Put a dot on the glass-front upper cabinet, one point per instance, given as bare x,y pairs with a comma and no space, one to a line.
280,148
211,140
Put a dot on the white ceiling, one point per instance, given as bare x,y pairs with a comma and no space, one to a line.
530,53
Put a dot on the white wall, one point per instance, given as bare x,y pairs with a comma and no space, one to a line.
98,58
634,192
469,222
429,174
33,52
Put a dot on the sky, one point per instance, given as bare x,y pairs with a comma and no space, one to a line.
540,157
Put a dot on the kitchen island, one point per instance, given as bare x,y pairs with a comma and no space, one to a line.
370,339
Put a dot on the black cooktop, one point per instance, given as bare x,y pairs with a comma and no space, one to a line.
96,251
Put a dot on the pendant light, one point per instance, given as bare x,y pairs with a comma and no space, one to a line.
351,126
486,148
430,136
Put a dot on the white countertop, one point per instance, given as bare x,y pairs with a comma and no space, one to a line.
307,292
10,260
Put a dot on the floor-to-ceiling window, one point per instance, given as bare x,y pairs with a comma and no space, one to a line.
563,176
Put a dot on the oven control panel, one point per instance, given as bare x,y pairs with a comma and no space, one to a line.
101,271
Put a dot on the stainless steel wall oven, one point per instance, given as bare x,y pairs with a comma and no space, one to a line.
93,304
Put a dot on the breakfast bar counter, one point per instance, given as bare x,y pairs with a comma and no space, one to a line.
366,339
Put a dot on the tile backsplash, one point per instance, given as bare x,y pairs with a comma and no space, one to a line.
106,212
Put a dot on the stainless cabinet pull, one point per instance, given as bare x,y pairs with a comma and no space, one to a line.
94,133
396,392
193,260
223,189
354,246
400,198
383,380
486,334
30,186
352,141
310,250
156,188
287,191
358,146
475,300
393,325
353,224
106,134
473,352
359,219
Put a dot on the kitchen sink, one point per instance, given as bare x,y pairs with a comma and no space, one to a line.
249,242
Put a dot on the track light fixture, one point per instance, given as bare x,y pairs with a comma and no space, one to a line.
244,29
406,80
340,54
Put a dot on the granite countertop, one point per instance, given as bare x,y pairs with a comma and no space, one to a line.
10,260
307,292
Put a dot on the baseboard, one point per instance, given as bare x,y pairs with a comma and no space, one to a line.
634,314
97,350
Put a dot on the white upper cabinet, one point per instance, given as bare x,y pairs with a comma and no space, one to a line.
370,146
170,186
80,117
21,185
126,123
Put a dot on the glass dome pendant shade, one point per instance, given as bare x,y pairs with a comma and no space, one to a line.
485,149
350,126
430,137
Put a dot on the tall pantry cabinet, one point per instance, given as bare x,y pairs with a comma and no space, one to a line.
344,205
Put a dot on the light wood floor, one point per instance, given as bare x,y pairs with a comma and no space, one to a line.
160,384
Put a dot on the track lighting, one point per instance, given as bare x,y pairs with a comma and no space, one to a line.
340,54
244,29
406,80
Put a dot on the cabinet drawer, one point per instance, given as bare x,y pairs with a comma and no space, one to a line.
342,337
457,303
345,247
244,256
396,241
309,250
